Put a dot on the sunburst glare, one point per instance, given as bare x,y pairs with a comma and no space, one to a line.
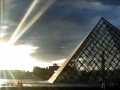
16,57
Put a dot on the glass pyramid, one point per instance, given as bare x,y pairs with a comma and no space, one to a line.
96,58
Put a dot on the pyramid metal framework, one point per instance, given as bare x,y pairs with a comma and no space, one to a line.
96,57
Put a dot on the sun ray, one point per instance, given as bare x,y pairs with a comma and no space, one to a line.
3,16
6,12
1,10
12,76
22,21
4,74
1,31
3,26
32,21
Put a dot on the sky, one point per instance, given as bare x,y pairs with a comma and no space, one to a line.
43,32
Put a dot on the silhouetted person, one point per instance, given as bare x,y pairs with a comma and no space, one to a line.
19,85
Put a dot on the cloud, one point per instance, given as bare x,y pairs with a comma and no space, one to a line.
109,2
80,3
90,4
59,62
62,27
55,30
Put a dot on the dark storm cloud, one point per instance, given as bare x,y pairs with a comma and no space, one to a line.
63,26
89,2
13,12
109,2
59,19
60,26
17,9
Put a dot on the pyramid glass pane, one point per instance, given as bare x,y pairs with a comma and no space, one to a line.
97,58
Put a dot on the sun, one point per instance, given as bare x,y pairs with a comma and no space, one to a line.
16,57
